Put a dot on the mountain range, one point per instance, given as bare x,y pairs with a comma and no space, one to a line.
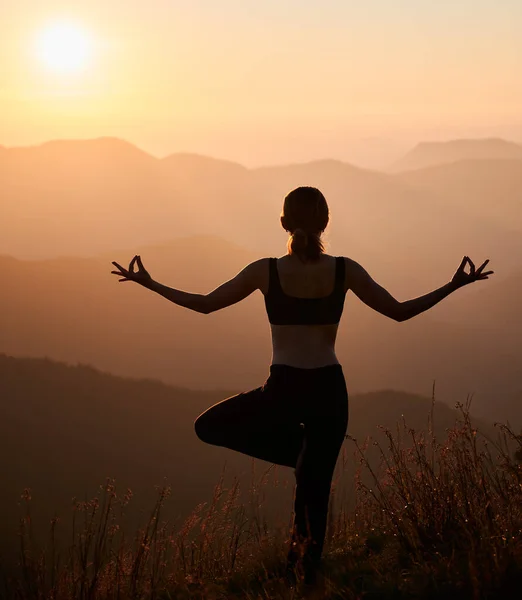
71,207
83,198
429,154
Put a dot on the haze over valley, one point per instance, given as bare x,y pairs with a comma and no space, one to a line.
71,207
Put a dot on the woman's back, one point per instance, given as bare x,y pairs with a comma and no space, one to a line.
304,303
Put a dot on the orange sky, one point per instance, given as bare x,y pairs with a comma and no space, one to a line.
267,82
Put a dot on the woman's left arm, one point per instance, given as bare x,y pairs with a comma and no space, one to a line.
230,292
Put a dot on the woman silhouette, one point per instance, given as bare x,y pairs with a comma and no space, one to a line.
299,416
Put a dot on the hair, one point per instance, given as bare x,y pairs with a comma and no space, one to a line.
305,216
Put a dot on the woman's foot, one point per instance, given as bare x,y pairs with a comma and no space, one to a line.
302,569
311,571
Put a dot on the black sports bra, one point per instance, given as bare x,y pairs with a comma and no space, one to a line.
291,310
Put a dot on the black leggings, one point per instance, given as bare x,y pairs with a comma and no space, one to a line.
298,418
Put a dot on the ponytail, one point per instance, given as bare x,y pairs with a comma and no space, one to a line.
307,246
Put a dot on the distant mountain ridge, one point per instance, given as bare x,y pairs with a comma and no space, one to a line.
85,197
80,148
114,147
428,154
424,154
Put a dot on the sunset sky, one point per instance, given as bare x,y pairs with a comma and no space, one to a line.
263,82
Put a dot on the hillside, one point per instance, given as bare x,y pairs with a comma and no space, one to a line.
427,154
65,428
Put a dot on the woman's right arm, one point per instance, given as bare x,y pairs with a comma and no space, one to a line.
376,297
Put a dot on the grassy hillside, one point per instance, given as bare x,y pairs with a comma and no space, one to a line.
440,516
65,429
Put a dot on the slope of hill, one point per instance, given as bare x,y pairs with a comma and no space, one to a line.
84,314
64,429
491,188
428,154
98,149
194,166
59,162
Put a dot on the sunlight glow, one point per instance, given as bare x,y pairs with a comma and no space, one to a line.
64,47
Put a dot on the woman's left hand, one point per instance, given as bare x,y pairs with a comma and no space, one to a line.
140,276
461,278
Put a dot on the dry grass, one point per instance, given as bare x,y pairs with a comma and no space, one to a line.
439,519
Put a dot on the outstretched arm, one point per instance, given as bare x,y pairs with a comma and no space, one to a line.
376,297
230,292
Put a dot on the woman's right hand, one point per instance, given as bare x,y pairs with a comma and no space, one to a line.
140,276
462,278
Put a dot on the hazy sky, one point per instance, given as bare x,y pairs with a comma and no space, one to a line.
267,82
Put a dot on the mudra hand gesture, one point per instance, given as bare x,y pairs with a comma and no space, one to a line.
140,276
462,278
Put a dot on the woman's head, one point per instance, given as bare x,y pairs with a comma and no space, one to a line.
305,216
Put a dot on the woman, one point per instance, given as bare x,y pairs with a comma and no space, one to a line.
299,416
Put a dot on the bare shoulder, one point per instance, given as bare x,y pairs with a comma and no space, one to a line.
353,271
351,264
258,266
258,273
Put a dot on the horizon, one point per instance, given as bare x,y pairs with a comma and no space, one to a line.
324,158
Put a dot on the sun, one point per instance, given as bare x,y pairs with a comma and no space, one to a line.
64,47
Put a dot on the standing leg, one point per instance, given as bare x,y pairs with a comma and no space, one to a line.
315,467
325,428
257,423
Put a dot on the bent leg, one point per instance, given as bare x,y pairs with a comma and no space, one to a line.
254,423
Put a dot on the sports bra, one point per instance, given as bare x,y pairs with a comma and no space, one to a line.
283,309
